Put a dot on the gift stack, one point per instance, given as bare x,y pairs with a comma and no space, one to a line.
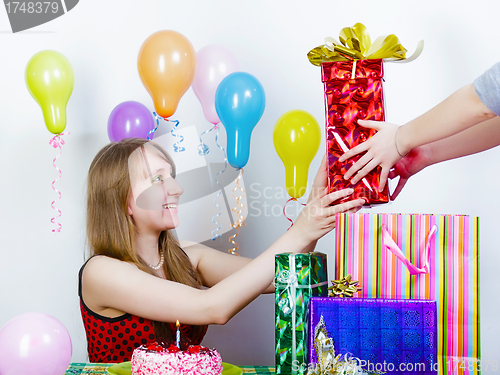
420,257
405,299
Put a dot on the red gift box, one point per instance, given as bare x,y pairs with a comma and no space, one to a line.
353,90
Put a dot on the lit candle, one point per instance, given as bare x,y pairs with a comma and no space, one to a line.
178,336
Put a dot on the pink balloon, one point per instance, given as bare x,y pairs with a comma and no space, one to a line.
34,343
213,64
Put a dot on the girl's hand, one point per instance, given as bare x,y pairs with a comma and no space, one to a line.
318,216
320,183
380,150
416,160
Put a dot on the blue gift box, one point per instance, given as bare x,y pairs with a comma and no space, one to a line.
386,335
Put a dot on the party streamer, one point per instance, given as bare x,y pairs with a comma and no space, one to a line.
240,222
177,147
219,226
157,118
203,148
284,211
57,142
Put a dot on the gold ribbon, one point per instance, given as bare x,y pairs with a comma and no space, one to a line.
355,44
240,207
344,287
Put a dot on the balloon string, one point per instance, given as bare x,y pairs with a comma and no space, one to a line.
177,146
240,222
284,210
203,148
157,118
219,226
57,142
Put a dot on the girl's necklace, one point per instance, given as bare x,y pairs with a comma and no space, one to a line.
158,266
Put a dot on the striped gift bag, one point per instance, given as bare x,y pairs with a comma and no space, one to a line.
420,256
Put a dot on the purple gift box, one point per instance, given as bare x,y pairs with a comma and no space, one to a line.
387,335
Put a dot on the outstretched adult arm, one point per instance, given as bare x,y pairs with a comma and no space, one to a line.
477,138
465,108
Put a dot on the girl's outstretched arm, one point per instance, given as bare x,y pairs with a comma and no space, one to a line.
113,284
214,265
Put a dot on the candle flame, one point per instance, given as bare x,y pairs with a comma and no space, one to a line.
177,324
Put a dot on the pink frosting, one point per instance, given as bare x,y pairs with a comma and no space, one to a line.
150,362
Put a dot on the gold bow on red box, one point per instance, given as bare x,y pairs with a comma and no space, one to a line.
355,44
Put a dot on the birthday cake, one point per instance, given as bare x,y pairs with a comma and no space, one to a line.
158,359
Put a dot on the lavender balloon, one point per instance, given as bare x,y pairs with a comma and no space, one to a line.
34,343
130,120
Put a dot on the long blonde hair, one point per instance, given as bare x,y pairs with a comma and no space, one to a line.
110,230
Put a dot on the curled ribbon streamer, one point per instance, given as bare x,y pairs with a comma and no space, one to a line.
355,44
57,142
219,226
202,147
157,118
240,222
284,211
177,146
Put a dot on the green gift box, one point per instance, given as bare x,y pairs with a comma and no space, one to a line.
298,277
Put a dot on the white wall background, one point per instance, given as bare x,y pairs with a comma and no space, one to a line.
38,268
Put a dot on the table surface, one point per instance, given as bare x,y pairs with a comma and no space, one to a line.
100,369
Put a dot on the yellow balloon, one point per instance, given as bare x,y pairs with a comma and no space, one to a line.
296,137
50,80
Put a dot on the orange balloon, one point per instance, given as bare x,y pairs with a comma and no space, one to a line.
167,65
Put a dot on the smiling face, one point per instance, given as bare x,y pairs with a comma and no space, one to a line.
155,193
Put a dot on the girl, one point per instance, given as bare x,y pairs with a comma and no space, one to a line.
140,278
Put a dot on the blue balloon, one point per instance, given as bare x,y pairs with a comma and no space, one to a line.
240,102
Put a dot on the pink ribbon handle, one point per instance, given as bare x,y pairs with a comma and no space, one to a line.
425,243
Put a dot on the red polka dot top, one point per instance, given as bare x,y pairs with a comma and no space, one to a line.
112,340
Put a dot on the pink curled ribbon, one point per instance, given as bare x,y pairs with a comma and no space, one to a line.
57,142
284,210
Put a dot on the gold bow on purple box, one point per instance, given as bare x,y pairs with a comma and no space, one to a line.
344,287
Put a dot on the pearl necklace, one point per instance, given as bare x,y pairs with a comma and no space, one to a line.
158,266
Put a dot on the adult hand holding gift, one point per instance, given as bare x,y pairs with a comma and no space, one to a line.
465,123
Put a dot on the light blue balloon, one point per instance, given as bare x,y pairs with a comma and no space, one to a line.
240,102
